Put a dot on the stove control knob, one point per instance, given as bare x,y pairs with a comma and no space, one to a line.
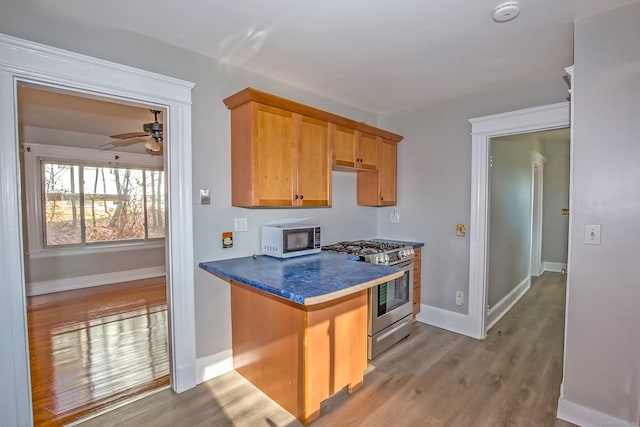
386,258
412,252
403,253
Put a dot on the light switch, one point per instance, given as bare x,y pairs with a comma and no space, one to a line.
241,224
205,197
592,234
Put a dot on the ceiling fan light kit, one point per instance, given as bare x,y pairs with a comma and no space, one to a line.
151,136
507,11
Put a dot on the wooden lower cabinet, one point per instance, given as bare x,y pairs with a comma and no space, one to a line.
417,281
299,355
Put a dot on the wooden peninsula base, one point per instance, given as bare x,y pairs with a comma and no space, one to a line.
299,355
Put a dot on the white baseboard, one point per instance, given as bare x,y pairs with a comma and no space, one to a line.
69,284
587,417
445,319
556,267
504,305
213,366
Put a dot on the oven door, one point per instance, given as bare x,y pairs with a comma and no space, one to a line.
391,301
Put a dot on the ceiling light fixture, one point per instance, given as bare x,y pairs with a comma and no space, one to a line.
506,11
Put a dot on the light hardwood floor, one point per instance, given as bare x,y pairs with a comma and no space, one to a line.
93,348
433,378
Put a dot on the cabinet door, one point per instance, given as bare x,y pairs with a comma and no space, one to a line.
274,154
344,146
367,153
378,188
313,168
388,171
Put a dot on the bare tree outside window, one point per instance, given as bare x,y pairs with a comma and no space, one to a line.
61,204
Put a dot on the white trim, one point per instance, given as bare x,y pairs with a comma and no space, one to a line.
587,417
507,302
214,365
445,319
570,72
77,154
22,60
89,281
101,248
537,161
483,129
555,267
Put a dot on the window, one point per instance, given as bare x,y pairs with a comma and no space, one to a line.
85,204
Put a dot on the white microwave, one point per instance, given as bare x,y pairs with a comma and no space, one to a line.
289,240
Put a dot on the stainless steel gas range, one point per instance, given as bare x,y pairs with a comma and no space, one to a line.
390,304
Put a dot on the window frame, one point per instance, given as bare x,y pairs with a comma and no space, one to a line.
36,154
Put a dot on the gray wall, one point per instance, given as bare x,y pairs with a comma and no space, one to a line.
555,226
602,349
434,180
45,268
211,151
510,216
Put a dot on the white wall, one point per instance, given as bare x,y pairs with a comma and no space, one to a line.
555,226
434,180
602,348
510,216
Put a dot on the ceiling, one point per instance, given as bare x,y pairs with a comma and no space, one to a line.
53,117
380,56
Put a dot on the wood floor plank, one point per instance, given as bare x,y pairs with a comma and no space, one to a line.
94,348
432,378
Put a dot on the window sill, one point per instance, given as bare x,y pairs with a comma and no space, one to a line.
95,249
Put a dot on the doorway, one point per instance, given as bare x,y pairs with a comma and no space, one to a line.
25,61
523,230
547,117
94,217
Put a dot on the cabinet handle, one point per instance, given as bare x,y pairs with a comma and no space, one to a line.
301,197
296,197
381,198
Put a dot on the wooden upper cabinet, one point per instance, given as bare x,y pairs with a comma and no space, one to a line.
282,153
313,168
367,151
379,188
278,158
344,146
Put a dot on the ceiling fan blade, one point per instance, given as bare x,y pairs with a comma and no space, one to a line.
129,141
129,135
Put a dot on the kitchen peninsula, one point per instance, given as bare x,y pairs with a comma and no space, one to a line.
299,325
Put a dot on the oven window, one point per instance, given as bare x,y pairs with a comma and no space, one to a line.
393,294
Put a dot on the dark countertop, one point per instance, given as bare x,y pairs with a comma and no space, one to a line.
402,242
306,280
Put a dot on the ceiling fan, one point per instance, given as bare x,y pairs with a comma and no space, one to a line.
151,135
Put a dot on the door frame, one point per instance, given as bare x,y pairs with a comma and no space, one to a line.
22,60
545,117
537,206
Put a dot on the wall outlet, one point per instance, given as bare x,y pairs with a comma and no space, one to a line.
395,216
241,224
459,297
461,230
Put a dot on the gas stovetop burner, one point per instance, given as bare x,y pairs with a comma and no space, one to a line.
374,252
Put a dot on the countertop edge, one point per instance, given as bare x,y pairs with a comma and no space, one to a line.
350,290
